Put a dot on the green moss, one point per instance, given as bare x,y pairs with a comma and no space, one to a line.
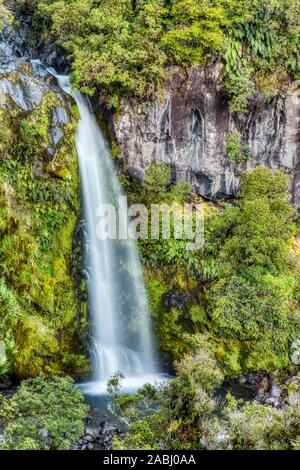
115,150
33,129
39,212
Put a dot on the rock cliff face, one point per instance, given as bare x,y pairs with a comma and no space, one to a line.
26,82
187,129
24,42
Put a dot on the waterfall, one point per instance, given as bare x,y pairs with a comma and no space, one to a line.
120,318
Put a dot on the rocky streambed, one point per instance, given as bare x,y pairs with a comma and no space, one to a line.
99,432
100,426
266,388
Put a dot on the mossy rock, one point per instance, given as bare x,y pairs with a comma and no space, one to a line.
39,257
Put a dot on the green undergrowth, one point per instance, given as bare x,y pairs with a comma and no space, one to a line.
40,317
123,48
186,413
43,415
241,290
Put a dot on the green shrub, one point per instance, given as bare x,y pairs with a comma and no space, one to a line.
44,415
123,49
132,64
158,177
247,311
172,416
185,414
253,298
252,426
239,86
236,150
195,31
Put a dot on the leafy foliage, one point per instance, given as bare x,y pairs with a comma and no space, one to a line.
232,306
123,49
252,426
172,415
44,415
132,64
254,294
265,46
39,208
247,311
196,29
239,86
184,413
264,225
236,151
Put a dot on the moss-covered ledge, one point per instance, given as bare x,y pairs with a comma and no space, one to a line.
43,322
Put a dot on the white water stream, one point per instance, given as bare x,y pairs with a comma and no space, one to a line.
121,327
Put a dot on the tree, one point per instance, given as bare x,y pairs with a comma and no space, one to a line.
247,310
115,46
122,48
197,29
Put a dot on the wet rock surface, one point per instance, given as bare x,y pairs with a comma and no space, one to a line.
187,129
23,41
24,82
264,388
98,433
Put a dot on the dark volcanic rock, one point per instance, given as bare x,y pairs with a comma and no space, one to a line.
98,433
188,127
24,83
176,300
25,42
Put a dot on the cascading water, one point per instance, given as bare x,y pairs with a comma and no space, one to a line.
121,328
